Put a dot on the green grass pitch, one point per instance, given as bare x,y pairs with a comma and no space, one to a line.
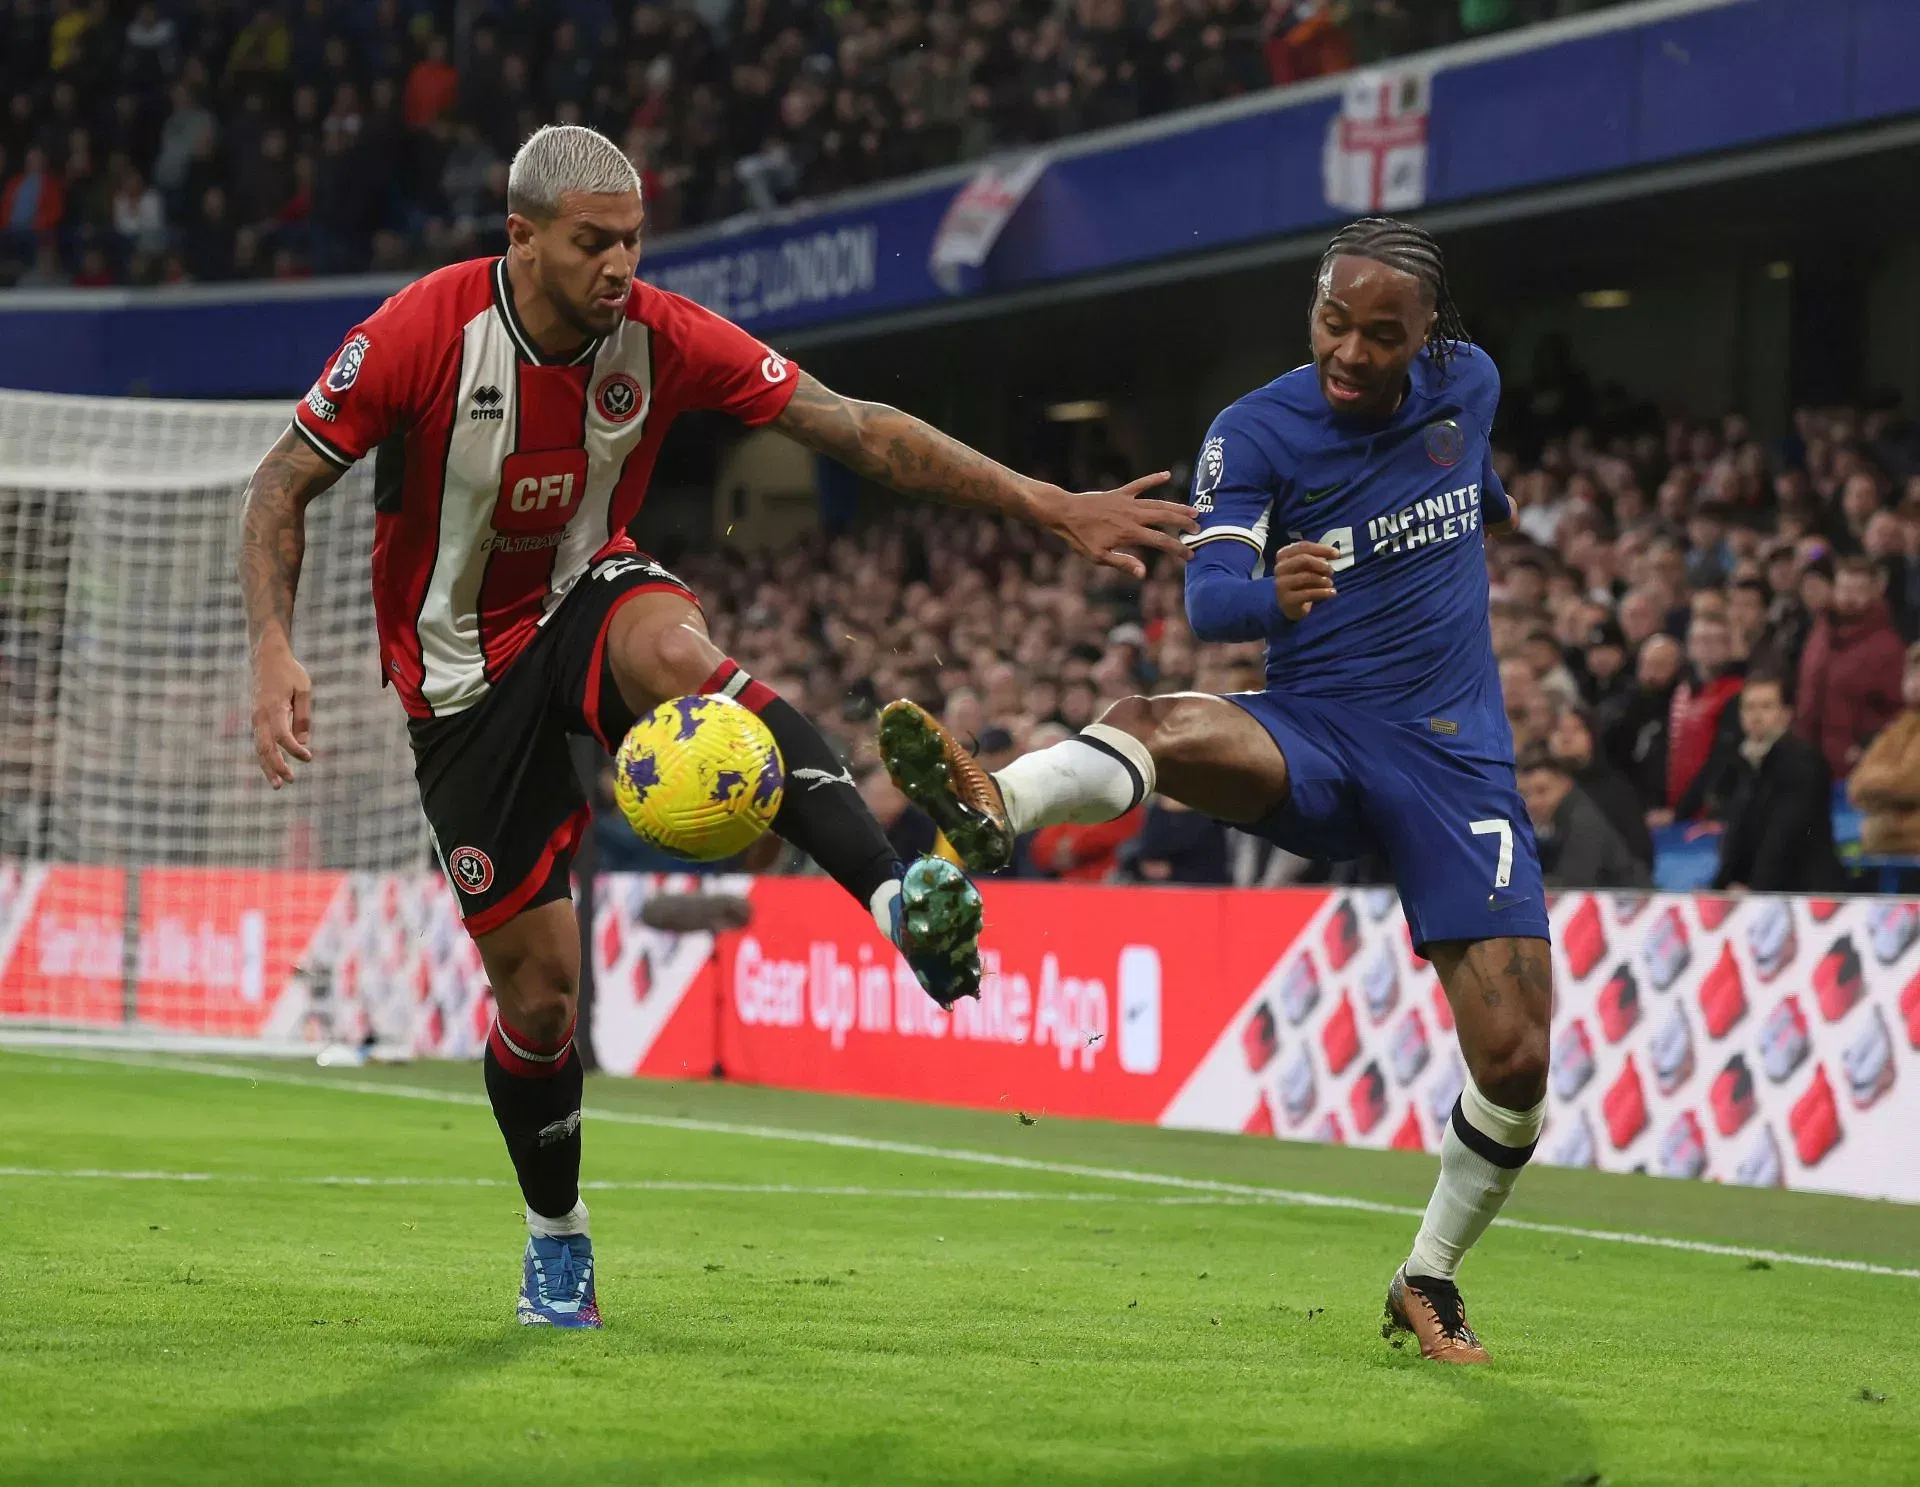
1113,1305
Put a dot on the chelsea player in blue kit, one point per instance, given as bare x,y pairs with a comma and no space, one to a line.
1342,509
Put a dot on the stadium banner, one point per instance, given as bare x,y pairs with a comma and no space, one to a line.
63,943
1617,90
217,949
976,217
1761,1040
1376,155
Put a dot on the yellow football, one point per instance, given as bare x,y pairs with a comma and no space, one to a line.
700,777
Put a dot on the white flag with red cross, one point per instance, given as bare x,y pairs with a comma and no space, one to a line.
1376,155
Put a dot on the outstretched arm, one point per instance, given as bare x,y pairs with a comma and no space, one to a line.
916,459
273,539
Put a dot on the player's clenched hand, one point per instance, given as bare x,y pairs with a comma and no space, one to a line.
1303,576
282,713
1102,525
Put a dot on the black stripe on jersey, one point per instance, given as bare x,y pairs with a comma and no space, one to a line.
517,333
321,447
389,473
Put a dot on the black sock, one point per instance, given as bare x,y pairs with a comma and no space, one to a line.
535,1095
822,813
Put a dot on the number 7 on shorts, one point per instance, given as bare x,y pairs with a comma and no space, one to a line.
1503,869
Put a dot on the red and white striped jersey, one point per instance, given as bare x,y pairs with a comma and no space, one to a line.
499,474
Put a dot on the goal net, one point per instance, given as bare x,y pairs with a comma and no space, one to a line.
125,735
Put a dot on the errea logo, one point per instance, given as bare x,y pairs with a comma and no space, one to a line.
486,405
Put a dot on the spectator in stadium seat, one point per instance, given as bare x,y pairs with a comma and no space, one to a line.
1850,671
95,271
262,49
1708,557
1304,40
1178,845
1885,784
1884,540
207,247
1604,674
1779,836
150,52
1643,612
1575,743
1711,680
1480,16
1634,729
1578,846
1747,600
31,207
909,829
139,218
433,87
1084,854
1859,500
1378,29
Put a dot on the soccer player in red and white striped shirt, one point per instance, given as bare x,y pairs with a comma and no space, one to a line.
514,408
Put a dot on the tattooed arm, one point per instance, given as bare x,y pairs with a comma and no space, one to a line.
916,459
272,540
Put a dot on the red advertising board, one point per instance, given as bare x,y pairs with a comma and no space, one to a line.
62,943
217,946
1094,1003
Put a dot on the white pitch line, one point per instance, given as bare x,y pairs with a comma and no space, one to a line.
644,1185
1245,1191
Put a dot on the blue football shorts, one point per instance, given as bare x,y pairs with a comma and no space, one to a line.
1451,823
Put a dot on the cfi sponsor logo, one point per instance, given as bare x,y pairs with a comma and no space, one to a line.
774,368
618,398
1445,443
471,869
486,405
345,370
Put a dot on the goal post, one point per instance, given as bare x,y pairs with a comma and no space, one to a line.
125,734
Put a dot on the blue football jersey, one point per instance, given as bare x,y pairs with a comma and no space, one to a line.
1404,502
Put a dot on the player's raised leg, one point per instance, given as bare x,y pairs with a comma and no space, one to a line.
1501,992
1198,749
657,647
534,1083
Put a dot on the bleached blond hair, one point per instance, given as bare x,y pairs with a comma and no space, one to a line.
565,157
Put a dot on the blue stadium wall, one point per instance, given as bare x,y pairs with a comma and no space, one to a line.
1602,97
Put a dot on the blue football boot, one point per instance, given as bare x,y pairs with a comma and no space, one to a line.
556,1289
936,925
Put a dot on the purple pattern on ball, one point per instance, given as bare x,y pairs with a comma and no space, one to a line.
768,785
690,710
643,773
725,782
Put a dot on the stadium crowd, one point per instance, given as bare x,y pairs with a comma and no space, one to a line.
1695,628
180,140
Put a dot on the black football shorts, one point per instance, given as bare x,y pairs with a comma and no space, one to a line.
497,781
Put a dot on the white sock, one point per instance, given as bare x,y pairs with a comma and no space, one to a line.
573,1221
1473,1183
881,905
1096,775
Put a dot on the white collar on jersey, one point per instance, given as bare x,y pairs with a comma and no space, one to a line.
524,343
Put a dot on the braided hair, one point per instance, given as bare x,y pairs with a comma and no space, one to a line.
1411,250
